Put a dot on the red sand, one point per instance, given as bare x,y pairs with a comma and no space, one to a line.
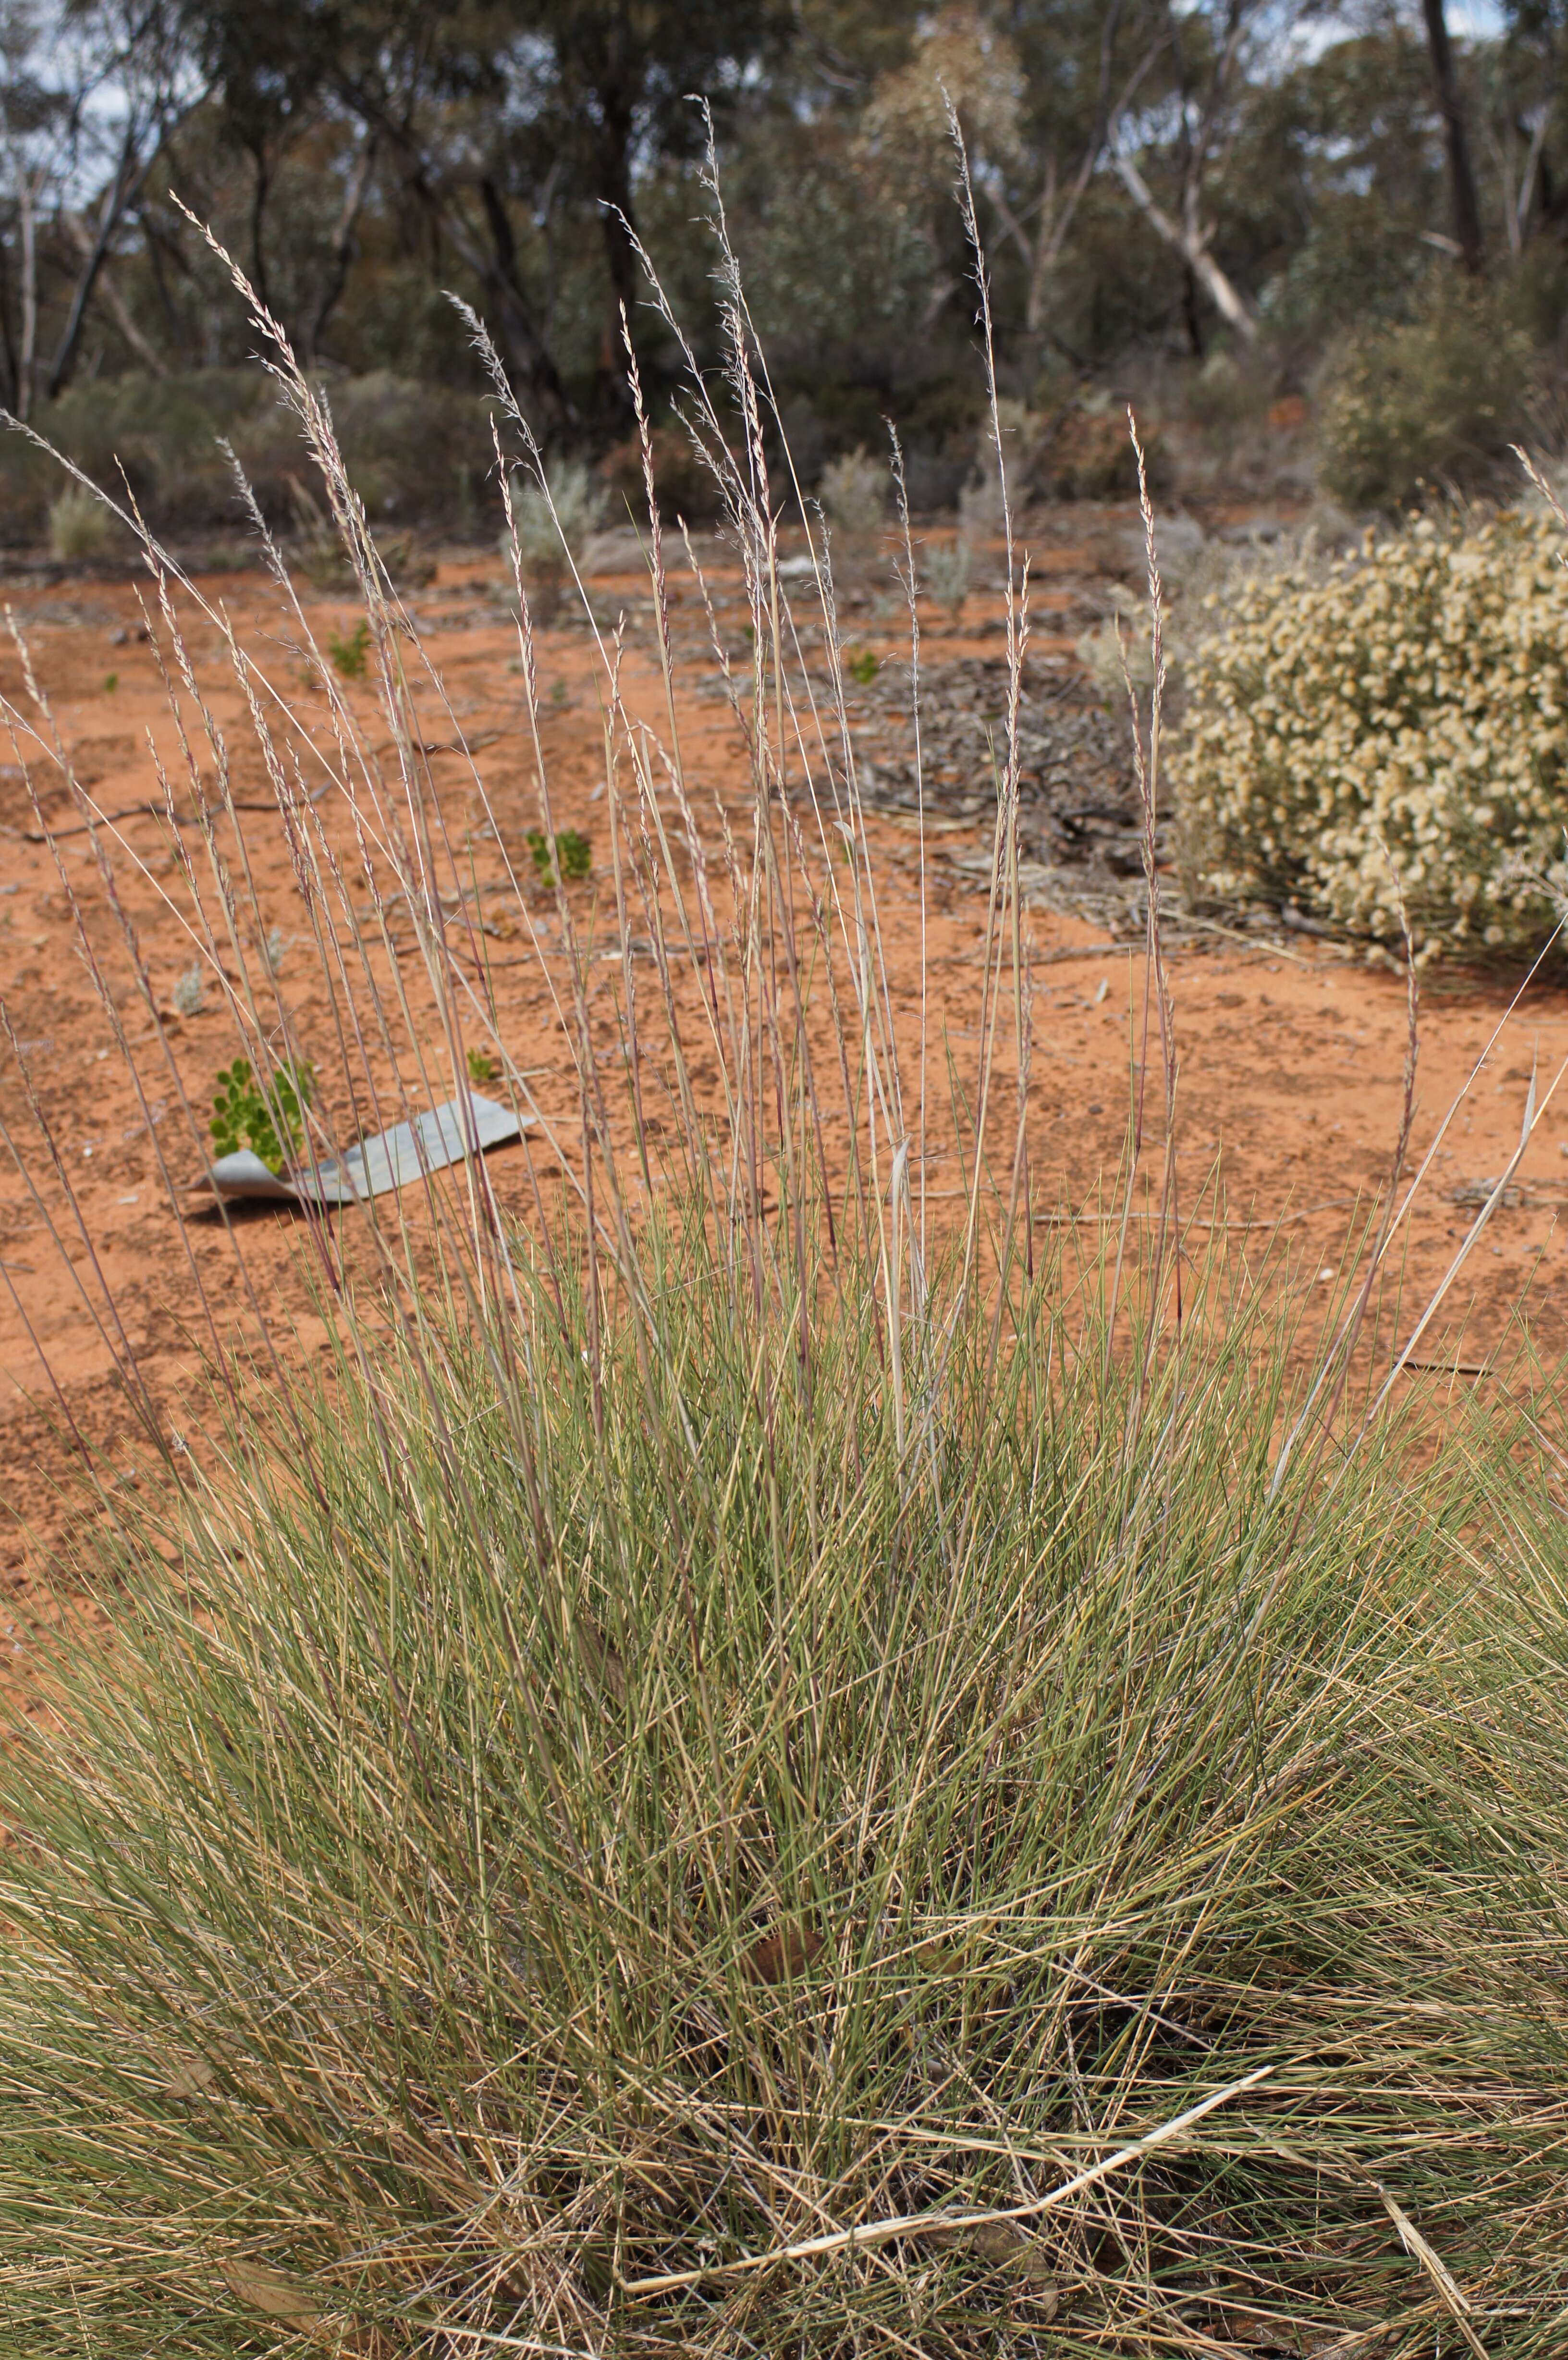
1291,1063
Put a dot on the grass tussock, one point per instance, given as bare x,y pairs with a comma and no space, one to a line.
767,1776
603,1817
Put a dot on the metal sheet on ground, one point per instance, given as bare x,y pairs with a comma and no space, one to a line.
448,1133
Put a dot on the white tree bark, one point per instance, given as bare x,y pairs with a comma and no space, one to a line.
1192,243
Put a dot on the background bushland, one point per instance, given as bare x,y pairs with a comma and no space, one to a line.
1301,238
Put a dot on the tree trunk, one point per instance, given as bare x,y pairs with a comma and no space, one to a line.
1192,246
26,357
1190,315
1463,204
122,192
147,353
614,190
7,342
520,344
341,251
259,195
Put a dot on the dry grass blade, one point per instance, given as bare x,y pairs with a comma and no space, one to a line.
875,2233
724,1700
1416,2246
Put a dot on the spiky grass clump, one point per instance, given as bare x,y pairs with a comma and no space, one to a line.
696,1742
601,1814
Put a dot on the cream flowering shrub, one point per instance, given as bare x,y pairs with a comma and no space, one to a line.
1413,696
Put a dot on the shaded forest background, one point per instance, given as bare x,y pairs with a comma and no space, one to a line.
1315,243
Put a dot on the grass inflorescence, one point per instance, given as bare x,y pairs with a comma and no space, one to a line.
749,1763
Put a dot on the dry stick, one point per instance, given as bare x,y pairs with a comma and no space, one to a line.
1532,1114
1416,2246
150,811
1438,1137
1105,1220
1156,981
912,2224
911,587
1005,848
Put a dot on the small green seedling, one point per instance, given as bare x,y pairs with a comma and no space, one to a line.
572,854
111,682
271,1123
863,668
348,655
482,1066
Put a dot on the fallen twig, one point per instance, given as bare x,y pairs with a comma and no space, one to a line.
909,2224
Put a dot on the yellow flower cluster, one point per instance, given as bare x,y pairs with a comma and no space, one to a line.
1407,707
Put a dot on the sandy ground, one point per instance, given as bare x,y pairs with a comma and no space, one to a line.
1291,1056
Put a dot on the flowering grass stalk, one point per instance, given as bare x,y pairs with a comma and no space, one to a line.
721,1715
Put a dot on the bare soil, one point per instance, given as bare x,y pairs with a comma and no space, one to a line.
1291,1048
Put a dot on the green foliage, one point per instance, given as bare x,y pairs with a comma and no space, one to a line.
572,853
683,487
853,494
1386,728
348,654
945,572
551,523
655,1764
863,667
1430,405
482,1068
79,526
402,442
1088,453
268,1119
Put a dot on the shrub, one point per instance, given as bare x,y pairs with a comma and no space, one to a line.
1087,455
854,493
1432,404
1115,652
945,572
1413,697
981,513
552,531
414,452
683,485
188,994
79,526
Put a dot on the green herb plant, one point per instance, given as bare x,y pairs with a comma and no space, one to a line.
270,1121
482,1066
348,654
571,853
